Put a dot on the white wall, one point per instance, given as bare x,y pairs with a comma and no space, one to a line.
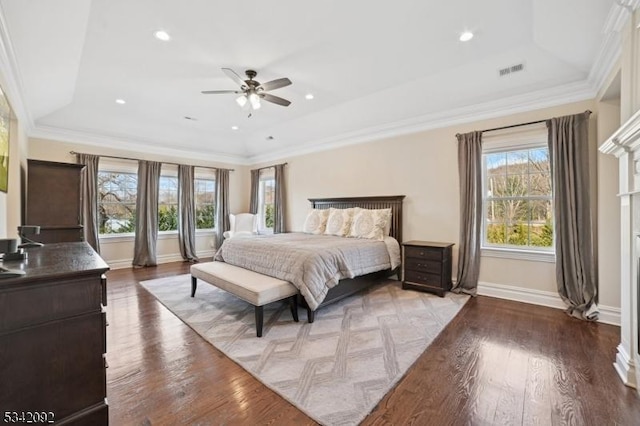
118,251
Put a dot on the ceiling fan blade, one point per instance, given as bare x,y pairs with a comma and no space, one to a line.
275,84
233,76
219,92
275,99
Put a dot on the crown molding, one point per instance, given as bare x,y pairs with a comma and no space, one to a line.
12,82
606,60
568,93
82,137
619,13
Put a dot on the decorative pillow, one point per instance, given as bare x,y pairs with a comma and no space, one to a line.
339,222
316,221
372,224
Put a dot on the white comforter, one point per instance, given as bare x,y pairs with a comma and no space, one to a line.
313,263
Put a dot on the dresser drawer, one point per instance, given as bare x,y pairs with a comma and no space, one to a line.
55,367
44,302
422,277
422,265
423,253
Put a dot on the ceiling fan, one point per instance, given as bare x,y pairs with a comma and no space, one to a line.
252,91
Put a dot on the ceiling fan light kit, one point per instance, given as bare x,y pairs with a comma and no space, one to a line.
251,91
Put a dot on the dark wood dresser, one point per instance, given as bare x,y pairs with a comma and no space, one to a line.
53,337
426,266
54,201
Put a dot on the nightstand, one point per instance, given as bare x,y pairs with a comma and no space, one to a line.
426,266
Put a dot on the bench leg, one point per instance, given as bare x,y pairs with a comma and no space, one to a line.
294,307
310,315
194,285
259,320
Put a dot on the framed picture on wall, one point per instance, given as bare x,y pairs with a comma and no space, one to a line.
5,124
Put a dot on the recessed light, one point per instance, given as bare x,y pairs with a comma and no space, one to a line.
186,117
466,36
308,96
121,101
234,127
162,35
269,138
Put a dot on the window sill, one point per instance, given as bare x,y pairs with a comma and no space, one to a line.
116,238
530,255
162,235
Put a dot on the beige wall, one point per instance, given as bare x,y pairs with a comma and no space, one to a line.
422,166
608,208
118,251
10,202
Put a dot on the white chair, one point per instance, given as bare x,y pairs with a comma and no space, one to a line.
242,225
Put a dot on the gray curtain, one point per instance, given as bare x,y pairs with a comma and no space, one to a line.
575,261
222,204
144,252
470,173
279,205
255,191
89,191
186,214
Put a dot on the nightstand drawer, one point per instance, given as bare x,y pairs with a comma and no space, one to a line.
423,253
426,266
422,265
423,278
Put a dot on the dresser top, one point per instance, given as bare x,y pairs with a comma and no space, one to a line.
426,244
59,260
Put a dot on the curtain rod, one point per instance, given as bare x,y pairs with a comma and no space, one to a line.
268,167
514,125
163,162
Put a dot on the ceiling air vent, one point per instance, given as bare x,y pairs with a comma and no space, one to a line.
509,70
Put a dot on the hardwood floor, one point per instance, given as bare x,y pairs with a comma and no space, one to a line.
496,363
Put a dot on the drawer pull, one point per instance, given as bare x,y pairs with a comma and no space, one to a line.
421,253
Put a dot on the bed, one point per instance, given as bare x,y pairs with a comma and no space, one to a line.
253,254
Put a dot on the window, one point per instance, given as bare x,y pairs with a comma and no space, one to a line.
117,194
267,196
518,205
118,186
205,195
168,204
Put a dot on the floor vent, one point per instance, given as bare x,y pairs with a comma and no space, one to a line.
514,68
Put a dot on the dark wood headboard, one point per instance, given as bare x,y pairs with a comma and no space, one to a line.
394,202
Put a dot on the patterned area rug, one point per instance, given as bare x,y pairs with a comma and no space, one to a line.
335,370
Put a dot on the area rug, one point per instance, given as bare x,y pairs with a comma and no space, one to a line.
335,370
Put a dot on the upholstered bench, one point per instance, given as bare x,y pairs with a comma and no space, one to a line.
249,286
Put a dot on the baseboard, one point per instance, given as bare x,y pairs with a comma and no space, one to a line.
625,368
163,258
608,314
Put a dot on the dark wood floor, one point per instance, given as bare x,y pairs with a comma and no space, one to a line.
496,363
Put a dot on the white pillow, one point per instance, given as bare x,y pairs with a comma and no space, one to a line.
372,224
339,221
316,221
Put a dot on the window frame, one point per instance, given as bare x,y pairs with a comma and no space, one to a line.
265,176
169,171
206,174
108,165
510,140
